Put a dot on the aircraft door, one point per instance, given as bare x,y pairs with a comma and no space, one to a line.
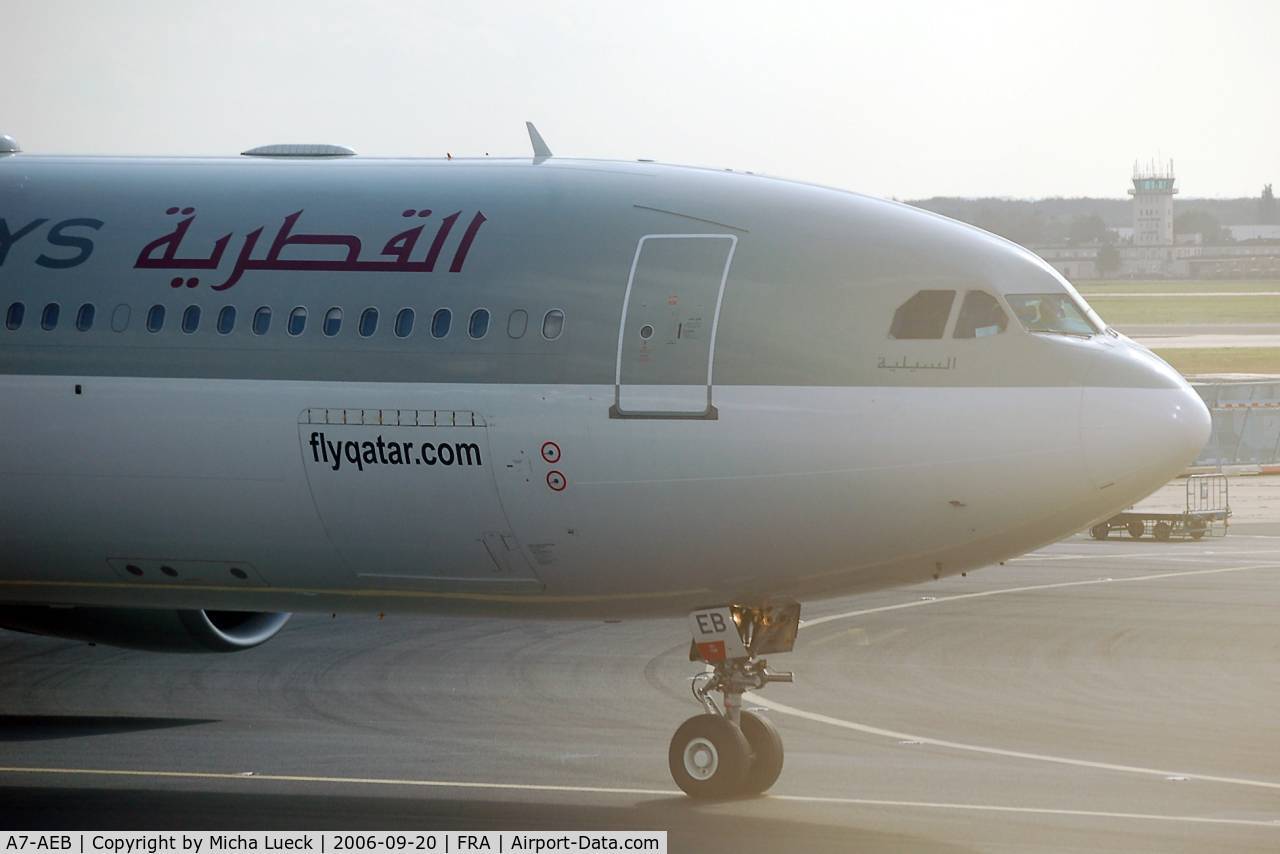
666,343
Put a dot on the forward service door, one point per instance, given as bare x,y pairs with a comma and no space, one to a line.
666,342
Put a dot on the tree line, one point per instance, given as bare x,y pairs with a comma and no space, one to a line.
1086,221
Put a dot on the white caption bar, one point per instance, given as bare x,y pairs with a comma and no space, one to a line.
363,842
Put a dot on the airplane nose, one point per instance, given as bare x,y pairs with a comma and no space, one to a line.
1141,424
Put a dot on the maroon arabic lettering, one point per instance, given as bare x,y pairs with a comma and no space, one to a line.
162,253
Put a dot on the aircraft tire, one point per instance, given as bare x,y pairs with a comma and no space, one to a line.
766,744
709,757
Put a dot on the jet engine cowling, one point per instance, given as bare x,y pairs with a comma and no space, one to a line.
152,630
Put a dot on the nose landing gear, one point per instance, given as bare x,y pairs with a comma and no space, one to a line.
728,752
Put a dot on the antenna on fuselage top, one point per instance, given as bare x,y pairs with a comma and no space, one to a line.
540,149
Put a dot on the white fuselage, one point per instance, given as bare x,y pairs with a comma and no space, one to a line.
263,485
773,498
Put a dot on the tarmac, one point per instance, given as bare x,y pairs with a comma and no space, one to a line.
1142,331
1198,342
1200,335
1113,695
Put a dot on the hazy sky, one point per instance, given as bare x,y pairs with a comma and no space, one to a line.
903,99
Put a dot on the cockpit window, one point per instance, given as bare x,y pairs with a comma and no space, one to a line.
1051,313
923,316
980,316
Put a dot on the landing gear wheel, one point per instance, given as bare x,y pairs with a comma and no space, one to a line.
1162,531
709,757
766,744
728,752
1100,531
1136,528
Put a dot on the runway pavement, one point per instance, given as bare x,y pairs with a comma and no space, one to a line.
1142,331
1198,342
1095,696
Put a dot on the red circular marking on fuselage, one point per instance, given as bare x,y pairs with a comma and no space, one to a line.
551,452
556,481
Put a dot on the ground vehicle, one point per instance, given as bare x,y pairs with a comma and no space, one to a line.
1208,504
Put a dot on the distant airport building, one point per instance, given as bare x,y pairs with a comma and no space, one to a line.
1254,232
1153,193
1150,249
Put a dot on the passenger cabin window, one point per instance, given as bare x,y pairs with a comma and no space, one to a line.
552,324
262,320
923,316
49,317
517,323
13,317
404,323
226,320
297,321
155,318
191,319
1056,313
84,317
479,325
368,322
980,316
332,322
440,323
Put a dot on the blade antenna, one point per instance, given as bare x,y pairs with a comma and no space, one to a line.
540,149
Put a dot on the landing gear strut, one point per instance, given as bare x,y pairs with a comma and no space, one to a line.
728,752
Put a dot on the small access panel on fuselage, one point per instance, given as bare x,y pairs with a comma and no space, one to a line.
410,501
666,343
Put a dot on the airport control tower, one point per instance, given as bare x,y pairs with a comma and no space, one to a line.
1153,193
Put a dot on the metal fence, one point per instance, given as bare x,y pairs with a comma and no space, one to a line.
1246,424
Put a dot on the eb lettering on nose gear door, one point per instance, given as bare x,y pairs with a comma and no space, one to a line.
715,637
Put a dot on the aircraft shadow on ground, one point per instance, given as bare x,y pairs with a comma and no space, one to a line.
691,826
46,727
